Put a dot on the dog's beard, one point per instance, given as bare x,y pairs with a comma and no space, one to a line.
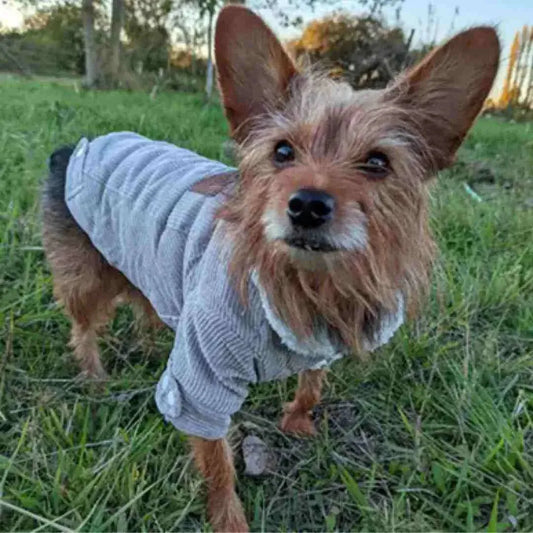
344,273
337,287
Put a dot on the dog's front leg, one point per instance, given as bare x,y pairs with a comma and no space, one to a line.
297,418
214,459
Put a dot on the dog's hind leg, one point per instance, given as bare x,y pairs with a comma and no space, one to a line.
87,287
83,280
214,459
297,414
84,341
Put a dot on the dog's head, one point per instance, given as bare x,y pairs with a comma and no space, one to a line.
334,179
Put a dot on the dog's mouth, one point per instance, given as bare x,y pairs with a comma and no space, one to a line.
310,245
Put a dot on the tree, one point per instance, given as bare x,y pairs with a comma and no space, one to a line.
210,6
281,13
88,20
363,50
529,84
43,37
91,58
518,85
190,33
147,34
524,70
96,33
117,21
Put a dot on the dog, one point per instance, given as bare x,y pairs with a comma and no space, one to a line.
317,246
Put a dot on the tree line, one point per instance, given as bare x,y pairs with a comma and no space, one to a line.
168,44
112,44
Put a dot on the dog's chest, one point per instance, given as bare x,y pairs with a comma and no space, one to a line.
322,348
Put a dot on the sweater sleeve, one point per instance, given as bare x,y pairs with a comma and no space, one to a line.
207,374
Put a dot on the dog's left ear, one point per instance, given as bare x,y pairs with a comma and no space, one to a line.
445,92
253,68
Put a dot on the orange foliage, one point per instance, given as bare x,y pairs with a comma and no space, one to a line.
362,49
518,83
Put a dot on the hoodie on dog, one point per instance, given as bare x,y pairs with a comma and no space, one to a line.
134,198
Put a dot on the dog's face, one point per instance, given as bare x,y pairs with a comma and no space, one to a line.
327,171
333,171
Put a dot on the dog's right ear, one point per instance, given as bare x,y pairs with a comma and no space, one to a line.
253,68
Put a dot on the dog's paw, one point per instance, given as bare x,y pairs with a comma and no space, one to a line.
298,423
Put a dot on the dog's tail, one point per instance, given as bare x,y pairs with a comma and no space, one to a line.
54,208
59,159
57,172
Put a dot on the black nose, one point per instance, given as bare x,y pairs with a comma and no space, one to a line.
310,208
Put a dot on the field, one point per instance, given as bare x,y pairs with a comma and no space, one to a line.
433,433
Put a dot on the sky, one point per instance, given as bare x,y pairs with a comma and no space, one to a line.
507,15
9,16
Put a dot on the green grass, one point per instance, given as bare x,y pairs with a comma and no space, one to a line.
433,433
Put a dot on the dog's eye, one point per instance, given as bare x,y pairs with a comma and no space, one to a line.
376,164
283,152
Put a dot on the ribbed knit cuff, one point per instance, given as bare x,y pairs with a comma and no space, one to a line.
193,422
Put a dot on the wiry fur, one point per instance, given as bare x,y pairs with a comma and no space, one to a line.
214,460
332,128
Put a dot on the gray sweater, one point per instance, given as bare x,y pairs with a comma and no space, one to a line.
133,198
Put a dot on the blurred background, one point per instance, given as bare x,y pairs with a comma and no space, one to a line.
156,45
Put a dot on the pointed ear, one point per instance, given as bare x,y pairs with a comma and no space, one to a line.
253,68
446,91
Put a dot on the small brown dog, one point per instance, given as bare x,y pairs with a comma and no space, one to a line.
329,213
